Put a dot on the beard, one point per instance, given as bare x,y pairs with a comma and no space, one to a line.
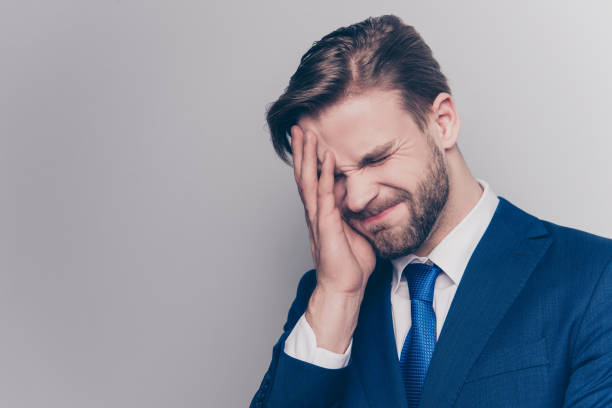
425,206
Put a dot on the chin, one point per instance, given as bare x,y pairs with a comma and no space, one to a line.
392,244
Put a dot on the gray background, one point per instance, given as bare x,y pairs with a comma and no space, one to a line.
151,243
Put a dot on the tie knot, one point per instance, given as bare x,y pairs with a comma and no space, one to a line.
421,279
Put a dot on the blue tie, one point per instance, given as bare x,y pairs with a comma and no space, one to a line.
421,339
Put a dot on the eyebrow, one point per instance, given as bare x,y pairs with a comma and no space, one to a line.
371,156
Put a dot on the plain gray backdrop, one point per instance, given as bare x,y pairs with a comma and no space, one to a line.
151,242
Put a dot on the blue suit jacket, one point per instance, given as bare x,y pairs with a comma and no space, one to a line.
530,326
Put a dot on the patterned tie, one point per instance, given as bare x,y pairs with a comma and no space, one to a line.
421,339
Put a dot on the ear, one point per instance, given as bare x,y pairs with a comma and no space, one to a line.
445,120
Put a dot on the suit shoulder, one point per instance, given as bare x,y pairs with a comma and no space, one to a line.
565,237
576,255
576,265
578,241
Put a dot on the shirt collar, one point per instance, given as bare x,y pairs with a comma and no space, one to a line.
454,251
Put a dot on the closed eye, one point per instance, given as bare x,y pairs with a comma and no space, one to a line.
368,162
378,160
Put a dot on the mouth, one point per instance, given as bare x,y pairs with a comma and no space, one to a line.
380,215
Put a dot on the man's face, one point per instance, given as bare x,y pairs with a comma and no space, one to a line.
391,179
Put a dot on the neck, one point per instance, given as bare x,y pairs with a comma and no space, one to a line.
464,191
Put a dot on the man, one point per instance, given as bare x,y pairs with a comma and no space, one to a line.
428,290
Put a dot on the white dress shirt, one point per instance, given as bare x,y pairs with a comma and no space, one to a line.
451,255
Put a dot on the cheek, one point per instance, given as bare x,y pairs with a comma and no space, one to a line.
399,174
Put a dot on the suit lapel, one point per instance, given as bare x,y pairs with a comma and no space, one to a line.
374,352
499,267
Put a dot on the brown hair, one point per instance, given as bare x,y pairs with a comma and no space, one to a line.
378,52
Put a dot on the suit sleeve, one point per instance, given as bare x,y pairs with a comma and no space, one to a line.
290,382
590,383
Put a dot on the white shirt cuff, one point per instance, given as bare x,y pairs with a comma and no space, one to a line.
302,345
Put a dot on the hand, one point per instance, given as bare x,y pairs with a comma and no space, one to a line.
344,259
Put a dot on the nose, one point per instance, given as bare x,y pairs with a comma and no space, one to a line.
359,192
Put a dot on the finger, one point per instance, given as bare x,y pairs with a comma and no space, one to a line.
325,191
308,177
309,156
315,255
328,217
297,148
313,242
310,227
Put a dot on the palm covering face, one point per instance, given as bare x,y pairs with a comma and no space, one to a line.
343,258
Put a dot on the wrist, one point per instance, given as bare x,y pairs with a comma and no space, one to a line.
333,318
